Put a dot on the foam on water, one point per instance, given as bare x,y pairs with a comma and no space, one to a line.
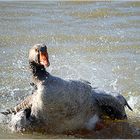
135,104
90,125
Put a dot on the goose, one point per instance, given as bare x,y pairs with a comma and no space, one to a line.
59,105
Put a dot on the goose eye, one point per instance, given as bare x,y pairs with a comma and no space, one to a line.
36,49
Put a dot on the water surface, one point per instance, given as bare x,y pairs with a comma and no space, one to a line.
95,41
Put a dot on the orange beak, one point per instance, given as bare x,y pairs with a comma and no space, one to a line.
44,59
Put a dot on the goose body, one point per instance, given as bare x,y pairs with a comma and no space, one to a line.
59,105
62,105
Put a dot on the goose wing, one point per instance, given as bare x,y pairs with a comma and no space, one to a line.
25,104
109,105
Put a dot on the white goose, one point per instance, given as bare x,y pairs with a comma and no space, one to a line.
58,105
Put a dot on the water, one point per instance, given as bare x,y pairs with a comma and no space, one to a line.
95,41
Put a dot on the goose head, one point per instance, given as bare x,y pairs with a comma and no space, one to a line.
38,55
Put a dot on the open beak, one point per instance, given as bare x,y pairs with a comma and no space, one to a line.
44,59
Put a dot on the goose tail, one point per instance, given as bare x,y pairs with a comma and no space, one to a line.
123,101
